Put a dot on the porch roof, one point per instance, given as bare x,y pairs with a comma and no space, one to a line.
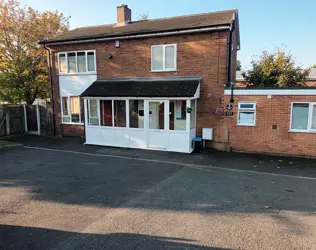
145,87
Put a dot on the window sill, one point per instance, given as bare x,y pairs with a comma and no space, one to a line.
246,125
301,131
75,74
72,123
161,71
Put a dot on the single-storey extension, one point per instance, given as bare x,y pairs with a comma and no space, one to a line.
276,121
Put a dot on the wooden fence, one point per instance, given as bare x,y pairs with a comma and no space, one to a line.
20,119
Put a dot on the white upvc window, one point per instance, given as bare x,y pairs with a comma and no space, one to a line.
72,109
303,117
246,114
164,57
93,112
77,62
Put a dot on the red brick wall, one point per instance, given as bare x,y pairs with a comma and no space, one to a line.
72,130
197,55
262,138
311,83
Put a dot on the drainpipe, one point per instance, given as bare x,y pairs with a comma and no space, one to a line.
51,87
231,30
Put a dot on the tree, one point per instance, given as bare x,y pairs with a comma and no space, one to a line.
314,66
275,69
143,17
238,65
23,63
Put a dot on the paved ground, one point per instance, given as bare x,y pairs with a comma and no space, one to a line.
102,198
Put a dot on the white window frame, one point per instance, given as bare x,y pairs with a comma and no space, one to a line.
98,112
254,110
310,117
112,112
164,69
69,110
77,73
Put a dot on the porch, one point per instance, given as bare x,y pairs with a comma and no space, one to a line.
162,118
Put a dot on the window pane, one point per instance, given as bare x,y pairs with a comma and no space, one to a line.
93,112
66,118
65,105
72,62
177,115
106,113
119,113
314,117
62,63
157,58
82,109
91,61
75,107
156,115
81,61
136,114
300,116
192,120
247,106
246,117
170,56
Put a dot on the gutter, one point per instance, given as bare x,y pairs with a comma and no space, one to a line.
189,31
51,87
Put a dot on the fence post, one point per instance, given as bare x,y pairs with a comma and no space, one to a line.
38,115
7,119
25,118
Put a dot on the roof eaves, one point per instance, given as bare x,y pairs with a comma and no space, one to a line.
96,37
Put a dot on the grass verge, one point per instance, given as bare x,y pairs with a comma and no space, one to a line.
5,143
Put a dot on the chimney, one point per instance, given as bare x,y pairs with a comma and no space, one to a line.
124,14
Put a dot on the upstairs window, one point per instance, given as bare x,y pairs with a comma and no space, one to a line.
164,57
77,62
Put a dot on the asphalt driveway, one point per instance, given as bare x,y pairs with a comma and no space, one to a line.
74,198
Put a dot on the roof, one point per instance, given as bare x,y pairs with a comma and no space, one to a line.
177,23
147,87
311,76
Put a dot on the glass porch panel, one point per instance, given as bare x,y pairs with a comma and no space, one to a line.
177,115
93,118
106,113
192,117
119,113
156,115
136,113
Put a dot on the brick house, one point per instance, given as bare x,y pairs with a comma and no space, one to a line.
152,84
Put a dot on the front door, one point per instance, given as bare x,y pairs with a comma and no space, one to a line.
157,135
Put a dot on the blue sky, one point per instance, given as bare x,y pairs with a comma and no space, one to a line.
264,24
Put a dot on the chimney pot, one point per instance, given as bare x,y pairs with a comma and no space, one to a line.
124,14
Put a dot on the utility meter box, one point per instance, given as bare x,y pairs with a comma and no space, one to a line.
207,134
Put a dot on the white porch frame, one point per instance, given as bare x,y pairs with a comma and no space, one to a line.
176,140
